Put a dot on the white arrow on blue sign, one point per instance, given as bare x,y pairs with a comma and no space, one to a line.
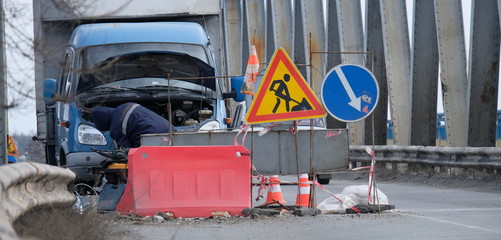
349,92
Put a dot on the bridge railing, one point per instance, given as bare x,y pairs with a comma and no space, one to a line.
451,160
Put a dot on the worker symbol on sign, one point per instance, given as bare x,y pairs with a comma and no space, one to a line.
282,93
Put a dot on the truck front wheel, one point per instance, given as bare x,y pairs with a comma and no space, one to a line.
322,178
324,181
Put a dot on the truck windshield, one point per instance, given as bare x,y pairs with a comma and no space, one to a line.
95,54
144,66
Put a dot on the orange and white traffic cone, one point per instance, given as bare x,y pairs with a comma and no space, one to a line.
275,192
303,198
251,72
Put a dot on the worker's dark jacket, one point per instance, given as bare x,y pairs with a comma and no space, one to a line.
127,122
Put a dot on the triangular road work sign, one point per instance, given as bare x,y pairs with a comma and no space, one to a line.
11,147
283,95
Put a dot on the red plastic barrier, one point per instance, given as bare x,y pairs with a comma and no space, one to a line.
187,181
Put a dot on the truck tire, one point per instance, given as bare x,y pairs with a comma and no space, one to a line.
50,155
324,181
321,178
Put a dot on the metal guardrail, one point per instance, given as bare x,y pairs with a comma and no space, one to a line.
465,157
24,186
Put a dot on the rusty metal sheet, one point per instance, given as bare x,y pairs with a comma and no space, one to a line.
275,151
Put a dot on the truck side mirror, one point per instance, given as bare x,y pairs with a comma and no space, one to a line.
236,85
49,90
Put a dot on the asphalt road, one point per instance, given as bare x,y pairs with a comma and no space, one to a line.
421,212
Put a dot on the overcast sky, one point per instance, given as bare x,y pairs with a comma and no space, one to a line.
22,119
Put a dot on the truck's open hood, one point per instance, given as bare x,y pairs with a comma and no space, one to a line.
148,64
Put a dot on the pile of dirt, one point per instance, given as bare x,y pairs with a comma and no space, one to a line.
65,223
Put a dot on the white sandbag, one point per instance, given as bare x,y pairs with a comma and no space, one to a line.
359,194
331,205
351,196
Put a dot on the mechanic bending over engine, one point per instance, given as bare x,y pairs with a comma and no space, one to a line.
128,121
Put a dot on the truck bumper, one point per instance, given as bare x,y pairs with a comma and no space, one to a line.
86,165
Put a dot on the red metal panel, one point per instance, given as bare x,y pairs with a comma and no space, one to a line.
187,181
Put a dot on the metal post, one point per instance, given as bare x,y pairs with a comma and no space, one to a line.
333,45
483,73
3,91
455,84
283,25
425,75
233,35
352,40
398,67
374,40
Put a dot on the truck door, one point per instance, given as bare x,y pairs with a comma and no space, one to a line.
62,105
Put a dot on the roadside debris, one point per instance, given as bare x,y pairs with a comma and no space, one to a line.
354,197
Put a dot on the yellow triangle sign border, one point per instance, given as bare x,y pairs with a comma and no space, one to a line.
317,110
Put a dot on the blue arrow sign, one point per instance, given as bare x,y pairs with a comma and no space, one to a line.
350,92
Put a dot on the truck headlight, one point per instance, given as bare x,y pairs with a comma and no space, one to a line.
90,136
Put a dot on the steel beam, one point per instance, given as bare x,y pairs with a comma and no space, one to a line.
314,41
425,75
499,11
352,40
333,46
375,62
484,73
455,85
270,38
300,51
283,25
398,68
256,26
333,42
233,32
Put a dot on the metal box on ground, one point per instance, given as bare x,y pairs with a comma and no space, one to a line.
326,150
187,181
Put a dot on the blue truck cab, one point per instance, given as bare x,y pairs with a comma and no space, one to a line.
168,67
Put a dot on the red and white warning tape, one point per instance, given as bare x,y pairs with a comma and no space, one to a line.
371,174
332,134
263,185
243,129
